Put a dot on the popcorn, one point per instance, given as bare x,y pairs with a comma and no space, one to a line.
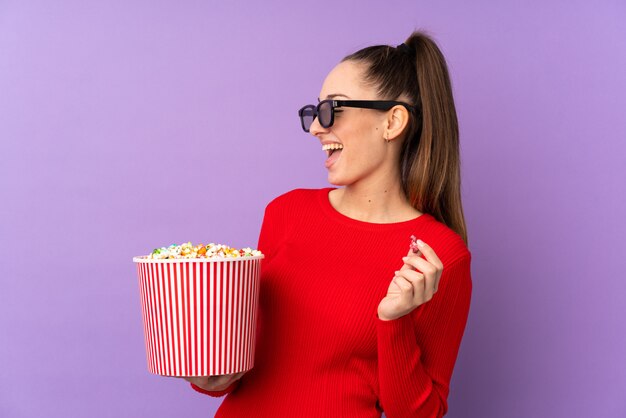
187,250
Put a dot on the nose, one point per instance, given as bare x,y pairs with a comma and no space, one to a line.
315,129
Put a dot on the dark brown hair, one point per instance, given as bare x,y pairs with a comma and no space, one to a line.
430,158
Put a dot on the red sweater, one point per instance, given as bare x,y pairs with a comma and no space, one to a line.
321,349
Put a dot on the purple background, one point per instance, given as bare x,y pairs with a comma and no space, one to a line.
127,125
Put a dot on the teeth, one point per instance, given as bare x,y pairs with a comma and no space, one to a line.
331,146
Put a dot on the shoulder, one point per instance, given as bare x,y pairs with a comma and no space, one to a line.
292,199
294,196
447,244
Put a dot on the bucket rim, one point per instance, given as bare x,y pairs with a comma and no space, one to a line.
143,259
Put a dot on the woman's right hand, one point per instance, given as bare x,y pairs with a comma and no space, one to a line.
214,383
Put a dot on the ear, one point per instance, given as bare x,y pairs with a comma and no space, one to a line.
397,121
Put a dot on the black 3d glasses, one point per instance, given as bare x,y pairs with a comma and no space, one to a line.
325,110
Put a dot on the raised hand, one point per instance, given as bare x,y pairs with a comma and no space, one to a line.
414,284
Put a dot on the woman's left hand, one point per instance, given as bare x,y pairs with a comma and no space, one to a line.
414,284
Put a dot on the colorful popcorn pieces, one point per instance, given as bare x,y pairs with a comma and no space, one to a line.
187,250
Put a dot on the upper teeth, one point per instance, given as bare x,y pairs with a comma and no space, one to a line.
327,147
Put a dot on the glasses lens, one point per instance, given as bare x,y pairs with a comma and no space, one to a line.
325,114
307,115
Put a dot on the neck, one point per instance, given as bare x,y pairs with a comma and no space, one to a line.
374,201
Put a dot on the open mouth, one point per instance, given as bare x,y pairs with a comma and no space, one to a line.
331,148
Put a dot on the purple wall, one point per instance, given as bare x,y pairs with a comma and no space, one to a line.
127,125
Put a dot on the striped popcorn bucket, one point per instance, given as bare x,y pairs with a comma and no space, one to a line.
199,315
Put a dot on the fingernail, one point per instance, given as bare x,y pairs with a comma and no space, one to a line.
420,243
405,258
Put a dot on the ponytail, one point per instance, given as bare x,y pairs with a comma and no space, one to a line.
430,157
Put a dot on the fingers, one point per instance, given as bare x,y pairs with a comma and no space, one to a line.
422,273
429,287
227,379
213,383
429,253
420,264
409,266
407,293
236,376
413,283
222,376
418,253
431,267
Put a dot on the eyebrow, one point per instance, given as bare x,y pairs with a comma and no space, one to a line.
332,96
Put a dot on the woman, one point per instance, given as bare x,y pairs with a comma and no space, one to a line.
352,324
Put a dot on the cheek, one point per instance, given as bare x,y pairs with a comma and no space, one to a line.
367,143
364,142
365,153
358,130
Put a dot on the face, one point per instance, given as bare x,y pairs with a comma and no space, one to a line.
365,153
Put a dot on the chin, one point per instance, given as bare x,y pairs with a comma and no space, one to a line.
338,181
335,182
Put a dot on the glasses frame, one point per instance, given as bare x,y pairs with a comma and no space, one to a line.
362,104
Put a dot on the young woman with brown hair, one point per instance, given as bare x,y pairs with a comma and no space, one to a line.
352,324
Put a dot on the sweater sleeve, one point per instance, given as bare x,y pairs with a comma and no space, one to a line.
266,245
270,228
417,352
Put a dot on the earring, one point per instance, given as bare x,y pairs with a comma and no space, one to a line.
387,139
